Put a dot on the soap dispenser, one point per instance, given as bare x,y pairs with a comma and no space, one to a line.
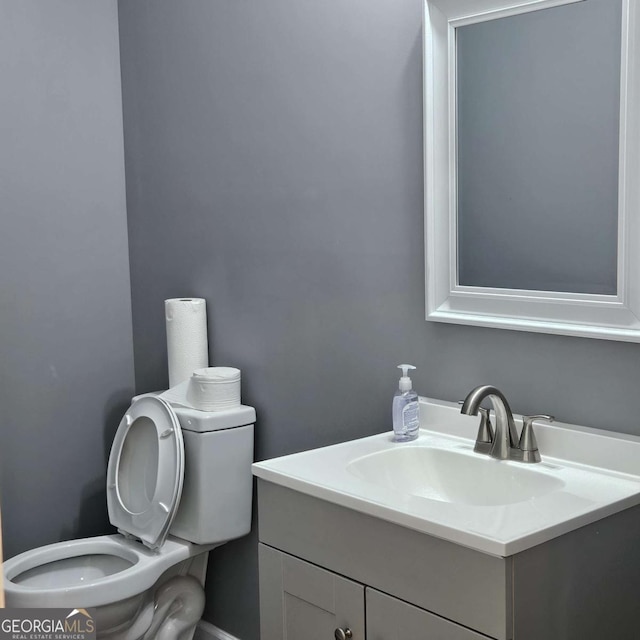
405,409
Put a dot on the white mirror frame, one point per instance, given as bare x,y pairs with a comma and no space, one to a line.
594,316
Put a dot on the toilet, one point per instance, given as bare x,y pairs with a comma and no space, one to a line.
178,485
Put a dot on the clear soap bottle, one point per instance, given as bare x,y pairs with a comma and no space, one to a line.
405,409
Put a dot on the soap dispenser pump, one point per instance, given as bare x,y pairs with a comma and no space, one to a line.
405,409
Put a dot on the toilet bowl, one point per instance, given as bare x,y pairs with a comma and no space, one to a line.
178,485
111,573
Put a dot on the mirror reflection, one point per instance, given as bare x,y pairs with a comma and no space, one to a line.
538,149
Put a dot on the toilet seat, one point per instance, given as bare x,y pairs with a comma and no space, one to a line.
146,471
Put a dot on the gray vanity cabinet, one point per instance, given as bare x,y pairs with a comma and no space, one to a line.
322,566
311,548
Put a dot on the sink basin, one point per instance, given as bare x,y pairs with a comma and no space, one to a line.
453,476
439,486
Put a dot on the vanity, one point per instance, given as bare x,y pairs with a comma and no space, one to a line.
430,539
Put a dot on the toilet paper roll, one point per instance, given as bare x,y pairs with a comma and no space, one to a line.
214,388
209,389
187,344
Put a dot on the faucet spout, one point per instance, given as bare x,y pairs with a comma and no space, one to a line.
506,437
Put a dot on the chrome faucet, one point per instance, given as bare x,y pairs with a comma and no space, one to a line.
504,443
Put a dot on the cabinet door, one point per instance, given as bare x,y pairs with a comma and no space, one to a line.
299,601
392,619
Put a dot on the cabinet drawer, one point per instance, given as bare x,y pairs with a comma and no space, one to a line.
392,619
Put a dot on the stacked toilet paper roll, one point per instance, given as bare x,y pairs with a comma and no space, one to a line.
187,344
208,389
214,388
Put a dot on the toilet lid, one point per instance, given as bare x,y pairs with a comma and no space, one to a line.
146,471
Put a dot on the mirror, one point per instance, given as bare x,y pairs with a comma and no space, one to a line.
537,149
532,134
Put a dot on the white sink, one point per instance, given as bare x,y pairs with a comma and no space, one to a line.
459,477
438,485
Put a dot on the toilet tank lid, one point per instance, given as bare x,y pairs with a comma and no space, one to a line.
203,421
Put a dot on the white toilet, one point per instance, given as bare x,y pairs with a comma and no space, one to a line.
178,484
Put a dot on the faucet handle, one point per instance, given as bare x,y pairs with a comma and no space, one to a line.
528,439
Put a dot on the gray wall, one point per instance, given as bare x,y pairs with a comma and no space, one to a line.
66,359
274,166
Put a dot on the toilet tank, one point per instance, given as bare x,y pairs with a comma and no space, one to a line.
216,495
